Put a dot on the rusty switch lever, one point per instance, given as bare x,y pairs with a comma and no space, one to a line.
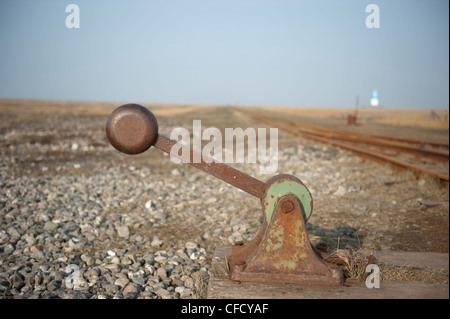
281,251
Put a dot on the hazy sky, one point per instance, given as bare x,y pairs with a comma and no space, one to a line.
251,52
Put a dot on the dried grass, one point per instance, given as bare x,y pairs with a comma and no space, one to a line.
355,263
406,273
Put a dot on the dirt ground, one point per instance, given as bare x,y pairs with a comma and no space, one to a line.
410,225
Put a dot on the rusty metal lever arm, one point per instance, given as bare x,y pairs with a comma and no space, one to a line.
132,129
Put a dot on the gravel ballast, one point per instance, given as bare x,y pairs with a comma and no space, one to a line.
80,220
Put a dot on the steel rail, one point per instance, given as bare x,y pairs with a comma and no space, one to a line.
359,135
442,178
427,154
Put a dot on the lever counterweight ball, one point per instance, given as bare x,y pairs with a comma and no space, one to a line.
132,129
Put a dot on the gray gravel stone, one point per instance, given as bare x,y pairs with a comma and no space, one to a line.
161,272
50,227
131,291
191,245
121,282
156,242
123,231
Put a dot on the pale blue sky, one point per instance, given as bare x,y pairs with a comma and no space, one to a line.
251,52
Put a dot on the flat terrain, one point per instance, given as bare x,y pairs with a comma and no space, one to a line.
142,226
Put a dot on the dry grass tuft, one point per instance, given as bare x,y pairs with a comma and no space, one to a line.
354,265
354,262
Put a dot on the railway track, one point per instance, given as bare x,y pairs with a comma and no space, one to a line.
401,153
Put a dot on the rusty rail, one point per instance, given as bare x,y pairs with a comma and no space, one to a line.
295,130
398,140
427,154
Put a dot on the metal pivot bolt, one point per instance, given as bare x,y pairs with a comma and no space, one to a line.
288,207
238,265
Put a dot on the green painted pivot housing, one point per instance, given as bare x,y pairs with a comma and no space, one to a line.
279,189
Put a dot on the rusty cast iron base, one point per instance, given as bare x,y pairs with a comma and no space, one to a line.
282,253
